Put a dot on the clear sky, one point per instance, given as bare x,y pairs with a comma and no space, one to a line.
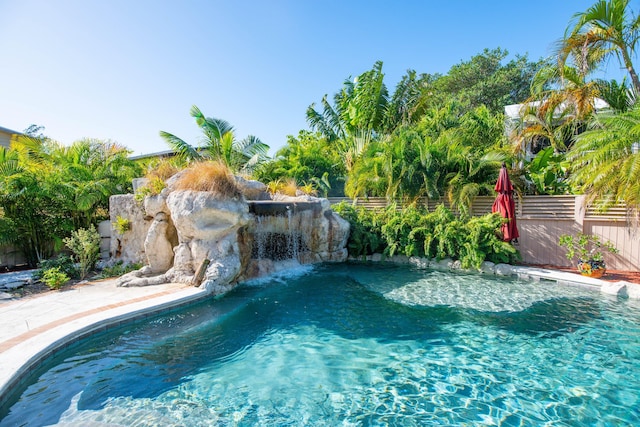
126,69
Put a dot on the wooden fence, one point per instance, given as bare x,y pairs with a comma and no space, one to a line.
542,219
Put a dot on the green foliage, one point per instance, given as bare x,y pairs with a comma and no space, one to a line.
448,154
122,225
308,158
609,28
47,189
365,237
397,230
153,187
547,173
62,262
604,164
54,278
586,247
118,269
482,242
219,143
434,136
485,80
85,245
413,231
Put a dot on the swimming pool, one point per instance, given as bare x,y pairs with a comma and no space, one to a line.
356,344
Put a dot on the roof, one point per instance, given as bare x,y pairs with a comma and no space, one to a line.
7,130
513,111
166,153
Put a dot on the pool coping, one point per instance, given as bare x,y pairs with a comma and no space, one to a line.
24,352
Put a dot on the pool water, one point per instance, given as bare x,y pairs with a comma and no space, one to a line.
356,345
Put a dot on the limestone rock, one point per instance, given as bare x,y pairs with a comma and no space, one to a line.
252,190
504,270
419,262
633,290
377,257
157,244
456,265
129,246
614,288
487,267
399,259
154,205
207,227
442,265
172,233
139,183
15,284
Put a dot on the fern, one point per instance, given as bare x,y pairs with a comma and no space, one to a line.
413,231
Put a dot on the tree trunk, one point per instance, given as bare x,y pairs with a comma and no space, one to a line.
632,72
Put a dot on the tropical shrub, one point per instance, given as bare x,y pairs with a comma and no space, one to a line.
219,143
365,237
482,243
118,269
48,190
547,173
54,278
309,158
85,245
413,231
62,262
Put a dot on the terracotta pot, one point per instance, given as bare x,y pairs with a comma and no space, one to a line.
595,269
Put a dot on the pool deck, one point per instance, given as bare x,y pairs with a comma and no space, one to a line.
35,327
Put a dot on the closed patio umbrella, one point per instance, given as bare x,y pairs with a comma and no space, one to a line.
506,205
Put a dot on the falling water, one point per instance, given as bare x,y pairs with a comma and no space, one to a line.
293,238
259,242
276,238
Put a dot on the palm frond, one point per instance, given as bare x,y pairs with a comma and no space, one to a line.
183,150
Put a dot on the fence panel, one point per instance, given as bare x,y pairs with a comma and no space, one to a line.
543,219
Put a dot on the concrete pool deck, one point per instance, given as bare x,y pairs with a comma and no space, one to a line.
36,327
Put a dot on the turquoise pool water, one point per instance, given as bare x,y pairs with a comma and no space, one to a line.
356,345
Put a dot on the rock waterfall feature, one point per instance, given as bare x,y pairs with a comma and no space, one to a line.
177,232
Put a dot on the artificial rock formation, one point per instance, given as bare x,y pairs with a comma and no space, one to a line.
174,232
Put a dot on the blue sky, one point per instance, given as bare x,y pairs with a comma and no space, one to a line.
125,70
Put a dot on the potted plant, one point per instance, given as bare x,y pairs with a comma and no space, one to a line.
589,251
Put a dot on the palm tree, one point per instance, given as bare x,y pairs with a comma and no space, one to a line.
357,116
619,96
562,100
88,172
408,102
48,190
606,167
608,28
219,143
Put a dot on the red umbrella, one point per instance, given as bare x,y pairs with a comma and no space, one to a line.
506,205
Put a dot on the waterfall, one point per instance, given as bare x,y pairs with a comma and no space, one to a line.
276,237
286,234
